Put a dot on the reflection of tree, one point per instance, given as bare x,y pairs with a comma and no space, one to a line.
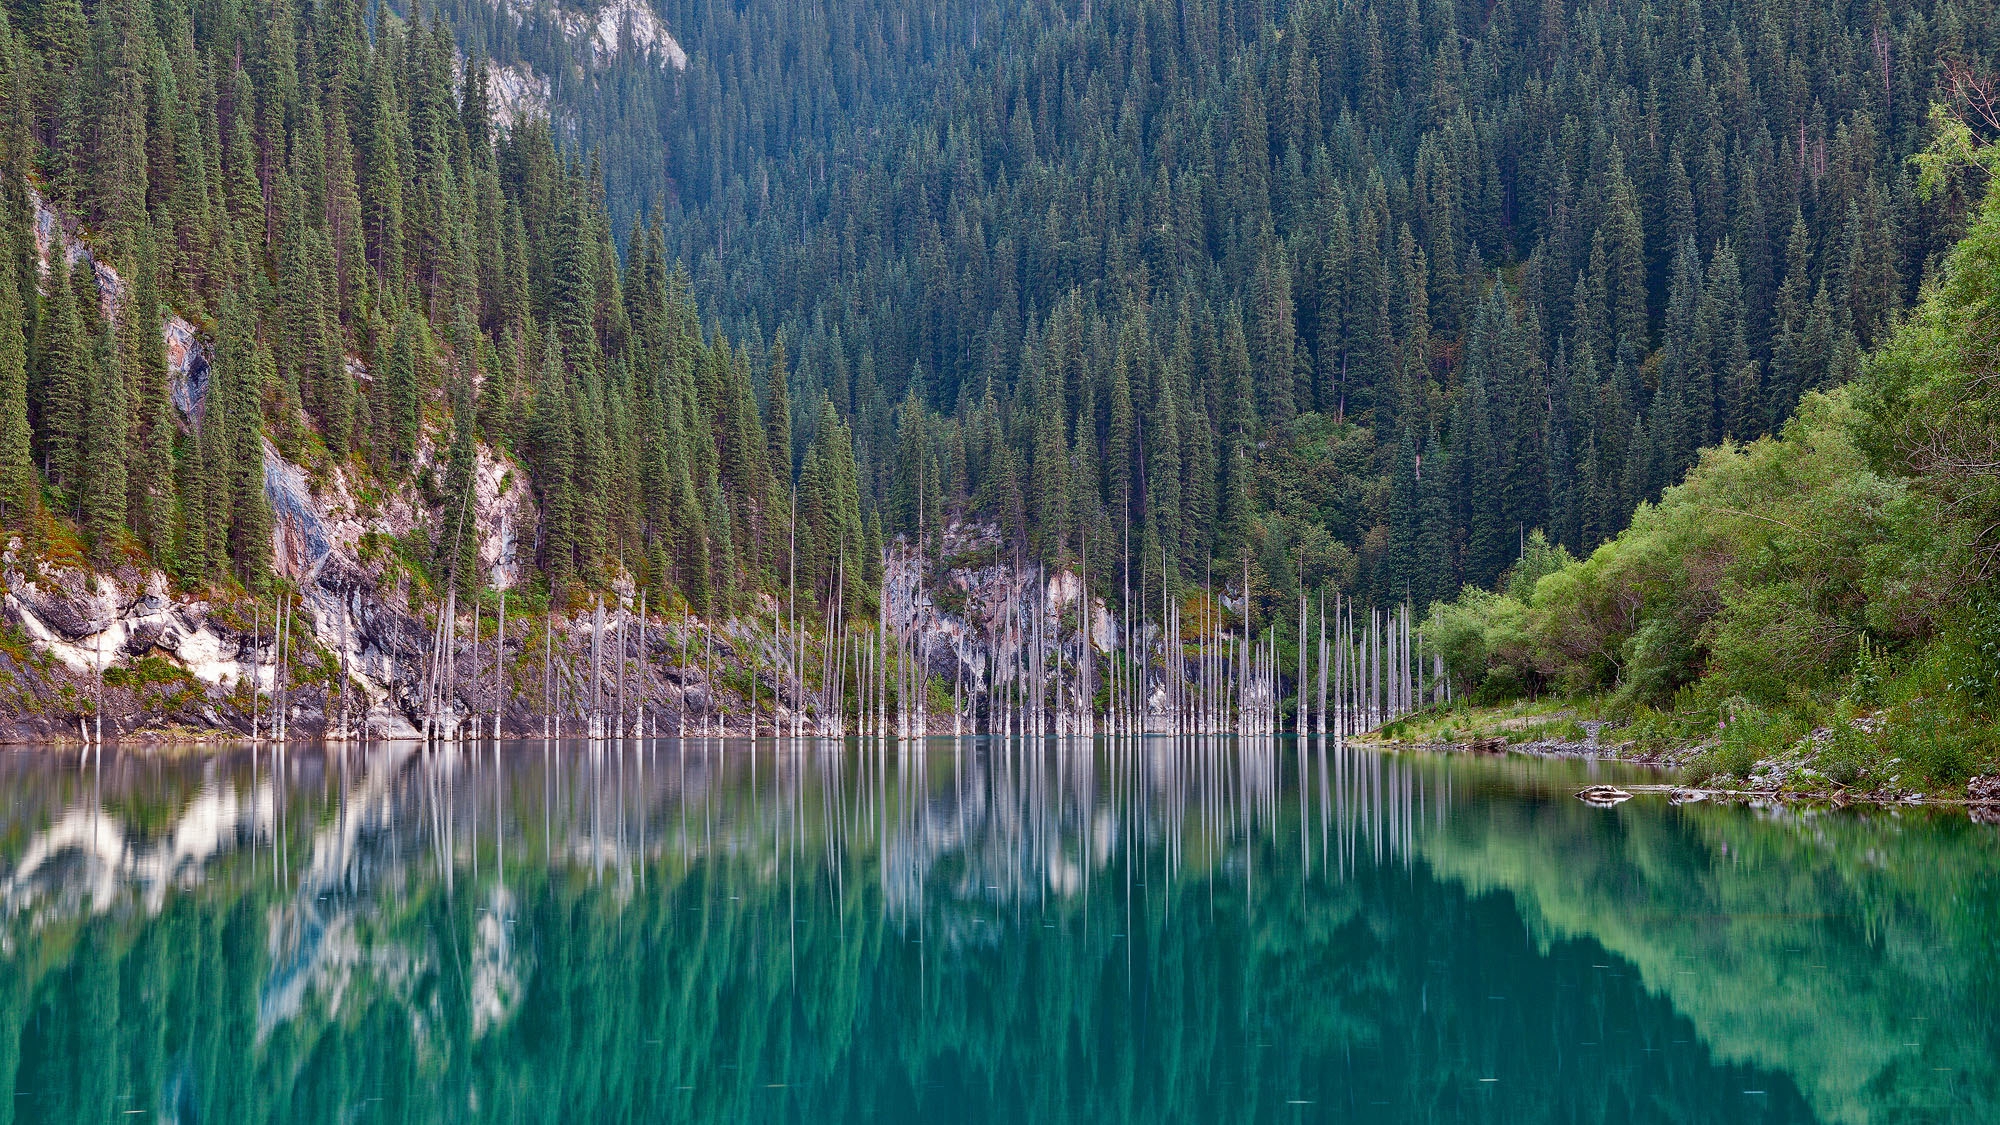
1170,933
1844,950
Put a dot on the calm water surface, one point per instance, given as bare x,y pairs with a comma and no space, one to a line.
970,931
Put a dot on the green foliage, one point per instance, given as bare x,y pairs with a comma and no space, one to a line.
1372,288
1864,683
1539,559
1366,307
1657,660
147,671
1846,755
1846,558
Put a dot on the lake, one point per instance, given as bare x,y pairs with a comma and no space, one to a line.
969,930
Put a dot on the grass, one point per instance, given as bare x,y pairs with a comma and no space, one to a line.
146,671
1804,744
1547,719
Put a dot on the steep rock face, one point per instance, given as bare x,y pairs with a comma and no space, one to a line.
601,29
517,93
350,605
56,234
187,366
167,664
979,612
597,36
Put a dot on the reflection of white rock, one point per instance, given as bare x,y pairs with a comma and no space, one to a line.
496,980
313,951
89,852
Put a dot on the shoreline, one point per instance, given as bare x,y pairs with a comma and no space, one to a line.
1984,809
1982,799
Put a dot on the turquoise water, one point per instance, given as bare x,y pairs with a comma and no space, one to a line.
969,931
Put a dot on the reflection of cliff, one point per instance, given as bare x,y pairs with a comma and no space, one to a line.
1153,932
88,859
1839,949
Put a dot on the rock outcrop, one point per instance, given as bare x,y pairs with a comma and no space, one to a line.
977,614
133,656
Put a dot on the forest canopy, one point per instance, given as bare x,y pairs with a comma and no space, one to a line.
1358,295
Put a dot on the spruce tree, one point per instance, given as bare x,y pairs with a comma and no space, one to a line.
104,453
149,407
552,450
20,498
67,371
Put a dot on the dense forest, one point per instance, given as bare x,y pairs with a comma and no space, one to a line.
1368,289
387,281
1351,296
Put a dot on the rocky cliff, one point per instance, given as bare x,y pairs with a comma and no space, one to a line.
129,653
135,656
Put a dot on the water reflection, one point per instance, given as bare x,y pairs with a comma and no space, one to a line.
969,930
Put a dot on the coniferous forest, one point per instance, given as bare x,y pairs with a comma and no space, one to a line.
1375,296
1367,289
387,280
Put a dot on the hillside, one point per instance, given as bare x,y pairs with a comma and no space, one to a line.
1366,290
1339,298
1822,602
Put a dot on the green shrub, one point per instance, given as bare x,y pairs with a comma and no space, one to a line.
1938,753
1658,660
1846,755
146,670
1864,683
1734,759
1501,684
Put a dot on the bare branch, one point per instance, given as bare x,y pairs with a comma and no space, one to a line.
1978,94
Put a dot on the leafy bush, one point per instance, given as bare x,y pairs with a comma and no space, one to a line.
1501,684
1846,756
1658,659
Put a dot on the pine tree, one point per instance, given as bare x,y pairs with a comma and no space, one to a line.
778,421
1236,432
20,498
1792,365
552,450
1476,457
104,482
149,404
240,470
1625,250
399,415
1274,356
67,372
